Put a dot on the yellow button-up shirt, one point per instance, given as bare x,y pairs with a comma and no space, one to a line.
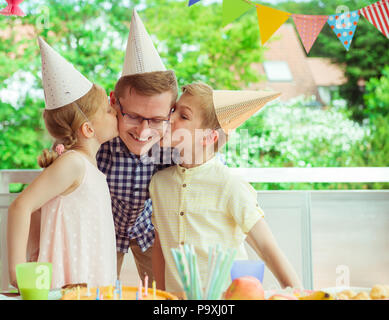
203,206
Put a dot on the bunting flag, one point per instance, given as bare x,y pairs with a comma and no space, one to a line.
12,8
233,9
270,20
309,27
192,2
344,26
378,15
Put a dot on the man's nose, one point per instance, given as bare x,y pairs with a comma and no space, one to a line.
143,128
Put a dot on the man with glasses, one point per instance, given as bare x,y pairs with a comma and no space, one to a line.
144,97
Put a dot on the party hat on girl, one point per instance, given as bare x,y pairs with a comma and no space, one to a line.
62,83
141,55
235,107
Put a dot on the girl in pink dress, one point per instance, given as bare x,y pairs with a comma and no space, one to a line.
77,231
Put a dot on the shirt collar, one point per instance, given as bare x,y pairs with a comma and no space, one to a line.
204,166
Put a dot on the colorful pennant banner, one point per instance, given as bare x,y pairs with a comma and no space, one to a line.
12,8
270,20
378,15
344,26
309,26
233,9
192,2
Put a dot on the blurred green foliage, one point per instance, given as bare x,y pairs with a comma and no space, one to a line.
374,151
313,138
92,34
377,96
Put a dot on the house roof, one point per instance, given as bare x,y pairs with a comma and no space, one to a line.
325,73
308,73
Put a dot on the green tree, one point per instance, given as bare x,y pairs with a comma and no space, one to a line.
377,96
374,152
198,48
21,136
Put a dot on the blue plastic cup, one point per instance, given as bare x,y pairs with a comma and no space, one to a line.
254,268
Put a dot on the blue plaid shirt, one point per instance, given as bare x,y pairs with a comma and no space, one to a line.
128,177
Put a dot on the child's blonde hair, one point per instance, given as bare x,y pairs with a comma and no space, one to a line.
63,123
204,93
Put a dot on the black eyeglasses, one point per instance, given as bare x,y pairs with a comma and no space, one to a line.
155,123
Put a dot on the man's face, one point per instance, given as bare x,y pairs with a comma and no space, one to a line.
139,136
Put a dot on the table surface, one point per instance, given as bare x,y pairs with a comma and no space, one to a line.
179,295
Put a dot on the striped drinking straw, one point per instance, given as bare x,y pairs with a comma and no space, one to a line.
225,273
199,286
215,274
181,271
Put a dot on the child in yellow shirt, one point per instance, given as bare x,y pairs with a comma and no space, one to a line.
200,202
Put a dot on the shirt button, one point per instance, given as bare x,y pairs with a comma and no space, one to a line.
182,243
181,213
184,185
183,170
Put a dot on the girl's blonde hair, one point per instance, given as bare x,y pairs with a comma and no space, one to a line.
63,123
204,93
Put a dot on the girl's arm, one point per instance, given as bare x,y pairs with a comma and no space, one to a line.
158,263
61,177
261,239
34,237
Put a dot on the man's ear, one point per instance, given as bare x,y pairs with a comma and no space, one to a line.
86,130
112,101
112,98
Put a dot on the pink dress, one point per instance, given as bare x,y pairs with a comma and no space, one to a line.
78,233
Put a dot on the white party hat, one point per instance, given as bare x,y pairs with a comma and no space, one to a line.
141,55
62,83
235,107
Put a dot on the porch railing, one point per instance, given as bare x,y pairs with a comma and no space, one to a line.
331,237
